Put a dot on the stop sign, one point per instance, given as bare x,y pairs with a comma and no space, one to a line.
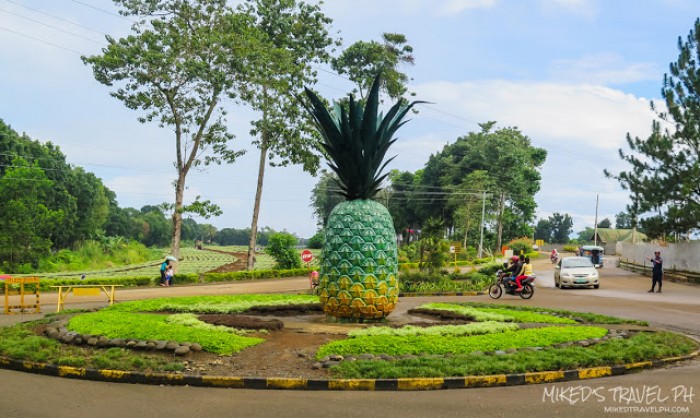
307,256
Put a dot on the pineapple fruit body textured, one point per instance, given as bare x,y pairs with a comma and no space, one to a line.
359,268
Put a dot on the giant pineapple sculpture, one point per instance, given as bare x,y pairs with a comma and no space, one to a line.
359,262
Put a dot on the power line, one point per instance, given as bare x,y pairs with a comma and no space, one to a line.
103,10
41,40
53,27
56,17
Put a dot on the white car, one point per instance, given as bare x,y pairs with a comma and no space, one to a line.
576,272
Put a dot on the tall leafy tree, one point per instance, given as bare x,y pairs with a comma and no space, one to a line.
363,60
295,38
25,220
605,223
623,220
512,165
180,60
664,174
562,227
324,197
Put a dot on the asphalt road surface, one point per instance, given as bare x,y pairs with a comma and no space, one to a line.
672,391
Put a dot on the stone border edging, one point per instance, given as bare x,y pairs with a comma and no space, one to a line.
435,383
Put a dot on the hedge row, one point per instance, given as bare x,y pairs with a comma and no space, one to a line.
144,281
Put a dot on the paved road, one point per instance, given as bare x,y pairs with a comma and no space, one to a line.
673,391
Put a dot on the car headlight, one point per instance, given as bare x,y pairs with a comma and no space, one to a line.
566,275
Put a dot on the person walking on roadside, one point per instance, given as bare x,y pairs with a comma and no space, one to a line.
657,271
163,269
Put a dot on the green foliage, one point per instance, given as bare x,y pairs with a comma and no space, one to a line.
282,247
192,321
316,242
254,274
120,324
497,314
586,317
555,229
363,61
663,168
422,282
443,330
399,345
211,304
640,347
521,245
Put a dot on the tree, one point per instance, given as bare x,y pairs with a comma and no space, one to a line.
664,178
362,61
512,166
296,37
543,230
562,227
282,248
623,221
605,223
25,220
324,197
182,57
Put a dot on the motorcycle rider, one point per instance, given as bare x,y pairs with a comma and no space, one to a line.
554,257
514,270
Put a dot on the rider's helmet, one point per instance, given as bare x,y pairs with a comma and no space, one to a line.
514,259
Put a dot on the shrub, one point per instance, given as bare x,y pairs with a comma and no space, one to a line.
316,242
569,248
281,247
523,244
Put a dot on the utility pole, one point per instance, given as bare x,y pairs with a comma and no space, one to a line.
481,237
595,230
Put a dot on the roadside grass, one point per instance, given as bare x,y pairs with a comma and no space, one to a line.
191,320
497,313
114,324
479,328
21,343
418,345
640,347
587,317
211,304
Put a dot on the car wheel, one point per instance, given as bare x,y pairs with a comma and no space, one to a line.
556,283
595,286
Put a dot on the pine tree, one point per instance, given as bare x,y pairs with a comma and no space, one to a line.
664,178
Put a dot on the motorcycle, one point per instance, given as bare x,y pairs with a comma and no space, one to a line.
554,258
501,286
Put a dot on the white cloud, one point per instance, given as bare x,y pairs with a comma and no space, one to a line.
452,7
585,8
570,115
603,68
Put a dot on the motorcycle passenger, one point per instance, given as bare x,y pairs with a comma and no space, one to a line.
554,257
524,273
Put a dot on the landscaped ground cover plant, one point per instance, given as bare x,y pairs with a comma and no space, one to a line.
470,281
497,314
588,317
116,324
211,304
444,330
640,347
400,345
21,343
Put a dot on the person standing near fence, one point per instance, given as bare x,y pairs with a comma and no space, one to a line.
657,271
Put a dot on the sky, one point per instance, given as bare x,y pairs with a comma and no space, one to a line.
575,76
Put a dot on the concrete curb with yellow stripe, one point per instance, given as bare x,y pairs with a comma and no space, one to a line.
336,384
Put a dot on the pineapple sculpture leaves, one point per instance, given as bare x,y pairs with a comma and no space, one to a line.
359,262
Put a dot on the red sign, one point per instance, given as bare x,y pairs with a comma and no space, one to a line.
307,256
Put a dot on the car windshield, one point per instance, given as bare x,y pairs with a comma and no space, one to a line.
576,263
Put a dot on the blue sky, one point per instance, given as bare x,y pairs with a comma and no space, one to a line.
574,75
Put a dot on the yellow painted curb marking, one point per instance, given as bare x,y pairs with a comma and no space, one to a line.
114,374
351,384
638,365
70,371
286,383
539,377
420,383
223,381
595,372
494,380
